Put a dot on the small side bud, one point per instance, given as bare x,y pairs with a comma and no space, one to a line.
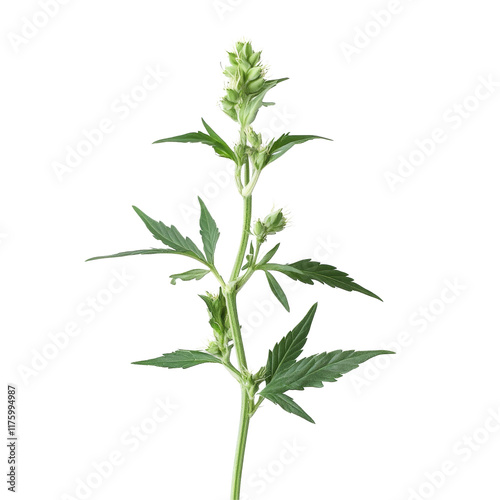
255,86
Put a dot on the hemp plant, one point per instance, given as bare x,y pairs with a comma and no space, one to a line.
284,370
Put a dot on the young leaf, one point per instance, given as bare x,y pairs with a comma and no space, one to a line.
314,370
133,252
249,257
171,237
209,232
290,347
307,271
269,255
225,150
194,274
289,405
213,140
286,142
277,290
180,359
248,114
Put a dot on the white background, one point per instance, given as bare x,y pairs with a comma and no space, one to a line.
427,242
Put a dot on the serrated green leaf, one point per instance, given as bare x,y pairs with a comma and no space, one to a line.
277,290
289,348
269,255
212,140
170,236
148,251
209,232
314,370
194,274
286,142
307,271
289,405
180,359
282,268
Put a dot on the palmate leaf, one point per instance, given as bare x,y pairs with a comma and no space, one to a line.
289,405
171,237
286,142
307,271
209,232
277,290
289,348
194,274
180,359
147,251
212,139
314,370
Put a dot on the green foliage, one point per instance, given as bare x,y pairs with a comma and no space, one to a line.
209,232
148,251
289,348
269,255
280,146
180,359
171,237
314,370
245,91
277,290
212,139
194,274
307,271
289,405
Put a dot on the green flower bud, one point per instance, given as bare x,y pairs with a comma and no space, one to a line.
248,50
254,58
232,58
255,86
239,47
213,348
259,229
244,66
259,160
232,95
231,71
254,139
254,73
275,222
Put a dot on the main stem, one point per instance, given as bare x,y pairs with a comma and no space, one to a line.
240,350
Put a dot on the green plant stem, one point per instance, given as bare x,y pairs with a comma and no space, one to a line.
246,401
245,235
241,445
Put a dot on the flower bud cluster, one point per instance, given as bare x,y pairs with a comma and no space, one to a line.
219,321
246,78
272,224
